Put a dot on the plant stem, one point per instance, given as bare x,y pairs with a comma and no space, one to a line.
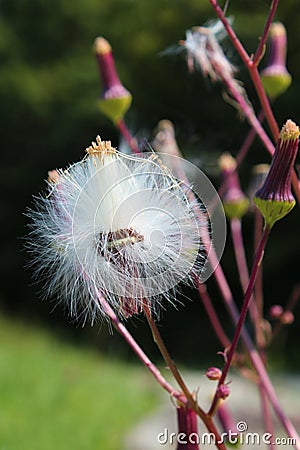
239,250
248,142
211,312
254,74
249,113
191,402
127,136
138,350
239,326
165,354
258,288
266,414
261,47
254,356
240,257
265,104
251,68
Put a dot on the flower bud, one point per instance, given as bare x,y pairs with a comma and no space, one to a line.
287,318
234,201
223,391
115,99
213,373
187,436
275,77
275,199
275,312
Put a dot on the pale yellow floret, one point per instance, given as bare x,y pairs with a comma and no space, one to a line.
227,162
102,46
277,29
100,147
289,131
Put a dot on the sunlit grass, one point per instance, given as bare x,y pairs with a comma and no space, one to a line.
56,396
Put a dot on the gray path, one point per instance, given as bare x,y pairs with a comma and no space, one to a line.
243,402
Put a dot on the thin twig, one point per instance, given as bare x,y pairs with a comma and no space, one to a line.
213,317
251,68
138,350
127,136
188,395
165,354
239,326
261,47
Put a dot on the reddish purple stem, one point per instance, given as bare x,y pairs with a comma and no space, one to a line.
128,137
240,323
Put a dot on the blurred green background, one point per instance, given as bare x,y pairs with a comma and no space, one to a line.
49,86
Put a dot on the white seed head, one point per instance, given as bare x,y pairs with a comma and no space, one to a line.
118,224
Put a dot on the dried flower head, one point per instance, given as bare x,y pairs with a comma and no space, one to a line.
117,224
204,51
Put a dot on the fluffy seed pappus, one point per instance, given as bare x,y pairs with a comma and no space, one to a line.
123,225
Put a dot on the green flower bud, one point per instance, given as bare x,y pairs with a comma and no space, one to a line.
115,99
275,77
235,203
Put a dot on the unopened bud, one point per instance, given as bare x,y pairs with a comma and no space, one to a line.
275,77
115,99
235,203
223,391
275,199
275,312
213,373
287,318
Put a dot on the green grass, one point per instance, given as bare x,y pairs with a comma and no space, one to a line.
56,396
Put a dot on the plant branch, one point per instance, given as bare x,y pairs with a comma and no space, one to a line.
240,257
138,350
251,68
261,47
165,354
188,395
211,312
239,326
127,136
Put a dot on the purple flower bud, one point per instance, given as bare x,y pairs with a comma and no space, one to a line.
234,201
213,373
187,436
223,391
115,98
275,311
275,199
275,77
